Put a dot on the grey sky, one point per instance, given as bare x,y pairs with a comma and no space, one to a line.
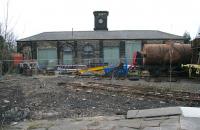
29,17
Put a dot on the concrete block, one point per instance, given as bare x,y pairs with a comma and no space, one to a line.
157,112
152,123
151,128
170,127
134,123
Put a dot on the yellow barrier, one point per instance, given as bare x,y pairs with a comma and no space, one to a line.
93,69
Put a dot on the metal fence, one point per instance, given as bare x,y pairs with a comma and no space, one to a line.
8,66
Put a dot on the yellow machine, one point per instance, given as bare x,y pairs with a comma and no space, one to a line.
192,69
95,70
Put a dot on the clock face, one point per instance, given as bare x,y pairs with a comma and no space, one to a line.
100,21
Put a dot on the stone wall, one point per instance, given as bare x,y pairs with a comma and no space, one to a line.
87,50
83,51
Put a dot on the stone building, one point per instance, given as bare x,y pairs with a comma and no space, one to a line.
85,47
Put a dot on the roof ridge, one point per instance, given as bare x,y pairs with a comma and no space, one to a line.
114,34
96,31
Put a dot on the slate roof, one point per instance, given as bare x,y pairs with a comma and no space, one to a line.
104,35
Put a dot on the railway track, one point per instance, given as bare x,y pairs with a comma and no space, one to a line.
167,94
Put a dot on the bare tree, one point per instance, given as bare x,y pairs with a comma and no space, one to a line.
1,30
198,33
6,20
8,39
5,31
186,37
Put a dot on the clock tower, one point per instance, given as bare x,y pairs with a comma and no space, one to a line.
100,20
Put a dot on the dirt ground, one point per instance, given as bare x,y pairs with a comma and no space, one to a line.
46,97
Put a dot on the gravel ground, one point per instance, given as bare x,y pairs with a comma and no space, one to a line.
46,97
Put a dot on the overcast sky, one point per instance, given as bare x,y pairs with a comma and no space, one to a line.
29,17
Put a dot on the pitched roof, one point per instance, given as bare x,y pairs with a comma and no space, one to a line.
98,35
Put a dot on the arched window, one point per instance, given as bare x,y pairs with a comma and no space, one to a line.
88,50
67,49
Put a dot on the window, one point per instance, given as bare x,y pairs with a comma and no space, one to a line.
67,49
67,55
88,50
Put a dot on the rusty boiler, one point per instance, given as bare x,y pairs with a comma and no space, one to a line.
164,54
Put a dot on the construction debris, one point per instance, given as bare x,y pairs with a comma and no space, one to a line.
47,97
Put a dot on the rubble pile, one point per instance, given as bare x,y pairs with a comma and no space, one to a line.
70,97
12,103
